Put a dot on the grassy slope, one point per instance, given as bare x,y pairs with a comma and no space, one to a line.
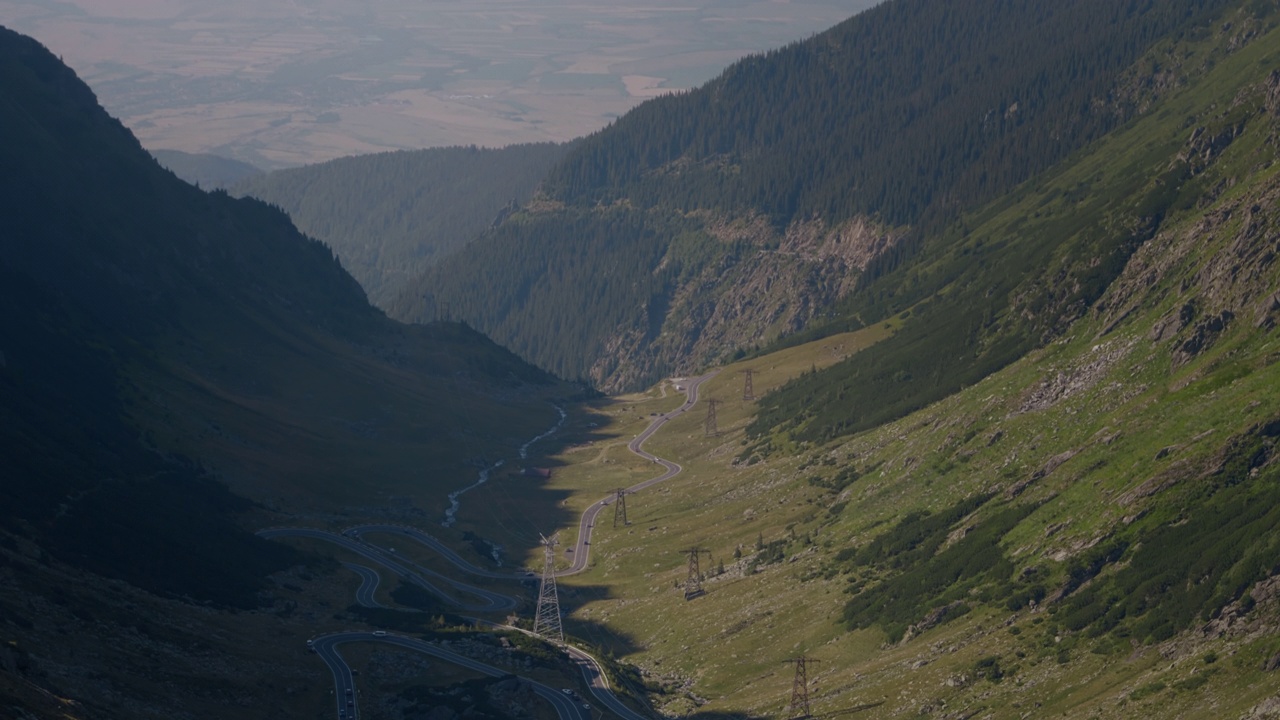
1122,402
989,289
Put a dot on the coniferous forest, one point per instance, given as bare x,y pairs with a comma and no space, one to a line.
904,112
1005,277
389,216
902,118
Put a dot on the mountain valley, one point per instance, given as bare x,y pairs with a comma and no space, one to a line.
969,409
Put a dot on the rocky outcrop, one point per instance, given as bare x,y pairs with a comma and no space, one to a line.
748,298
1066,382
1235,283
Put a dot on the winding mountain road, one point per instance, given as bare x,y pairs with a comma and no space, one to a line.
351,539
369,580
411,571
326,646
431,542
582,550
591,669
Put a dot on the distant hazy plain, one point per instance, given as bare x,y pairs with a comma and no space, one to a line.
288,82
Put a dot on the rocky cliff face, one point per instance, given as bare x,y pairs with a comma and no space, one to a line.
1234,284
780,282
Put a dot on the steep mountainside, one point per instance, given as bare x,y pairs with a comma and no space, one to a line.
1015,274
1089,531
745,209
389,216
1037,478
157,345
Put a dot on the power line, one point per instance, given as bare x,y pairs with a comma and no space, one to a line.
546,621
693,585
800,686
620,507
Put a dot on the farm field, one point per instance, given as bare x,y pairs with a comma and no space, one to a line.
283,84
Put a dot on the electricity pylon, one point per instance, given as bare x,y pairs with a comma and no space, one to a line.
620,507
711,429
693,585
546,621
800,686
748,392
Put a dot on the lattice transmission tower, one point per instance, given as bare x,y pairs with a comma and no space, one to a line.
620,507
711,429
800,686
693,585
546,621
748,392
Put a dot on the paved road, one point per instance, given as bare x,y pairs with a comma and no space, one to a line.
369,580
326,646
409,570
596,679
593,673
444,550
344,686
591,669
582,550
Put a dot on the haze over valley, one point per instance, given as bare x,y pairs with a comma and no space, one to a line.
287,83
926,366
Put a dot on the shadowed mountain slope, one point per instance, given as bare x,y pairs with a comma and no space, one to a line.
389,216
177,369
156,336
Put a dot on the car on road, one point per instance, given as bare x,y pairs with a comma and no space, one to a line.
379,633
